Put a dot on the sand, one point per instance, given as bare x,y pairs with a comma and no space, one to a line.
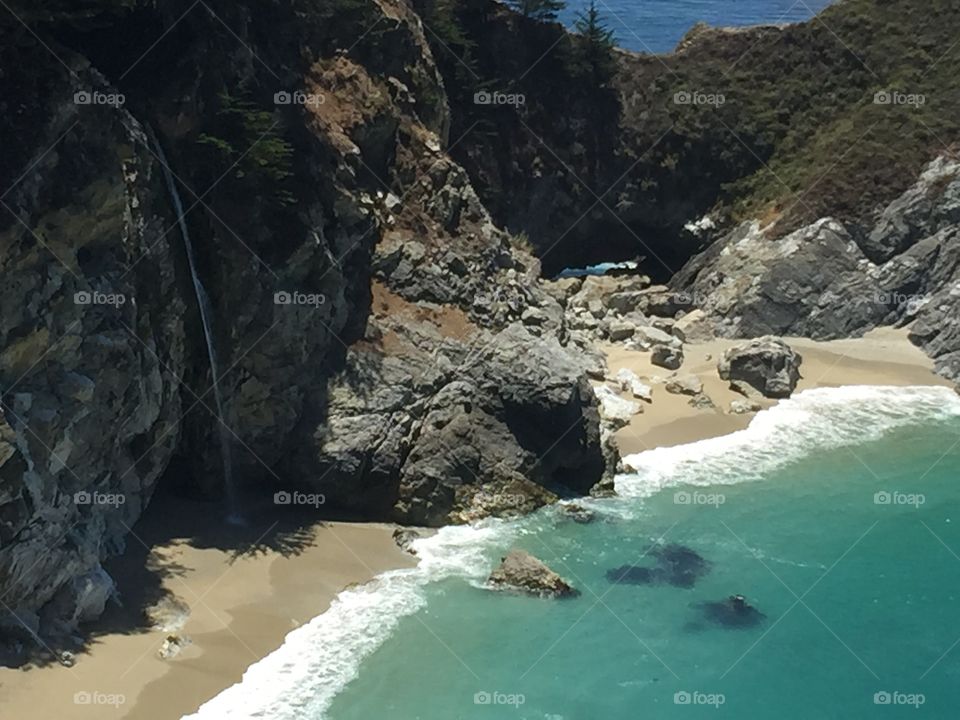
246,588
242,603
882,357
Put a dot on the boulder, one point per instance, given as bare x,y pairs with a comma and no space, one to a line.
646,336
615,410
684,385
693,327
620,330
767,365
521,571
628,381
744,407
666,356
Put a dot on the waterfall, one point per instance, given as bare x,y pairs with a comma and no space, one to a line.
206,315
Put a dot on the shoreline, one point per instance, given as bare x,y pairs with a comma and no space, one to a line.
882,357
247,588
242,604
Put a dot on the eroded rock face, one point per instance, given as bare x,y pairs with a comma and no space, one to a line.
522,572
824,282
91,340
456,400
766,365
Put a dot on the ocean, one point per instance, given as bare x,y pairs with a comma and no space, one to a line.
836,515
656,26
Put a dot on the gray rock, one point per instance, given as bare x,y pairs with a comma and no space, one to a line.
767,364
646,337
744,407
620,330
684,385
694,327
627,381
666,356
930,205
520,571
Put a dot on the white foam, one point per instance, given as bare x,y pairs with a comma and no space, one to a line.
812,420
300,679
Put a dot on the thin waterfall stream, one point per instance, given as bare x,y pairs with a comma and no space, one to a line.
206,316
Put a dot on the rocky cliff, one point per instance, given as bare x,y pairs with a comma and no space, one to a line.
377,338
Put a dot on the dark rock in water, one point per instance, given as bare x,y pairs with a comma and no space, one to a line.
404,538
734,612
577,513
521,571
633,575
676,565
680,566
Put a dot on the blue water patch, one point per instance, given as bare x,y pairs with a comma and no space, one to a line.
656,26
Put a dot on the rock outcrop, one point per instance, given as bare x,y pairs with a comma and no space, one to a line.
766,365
378,339
828,280
521,572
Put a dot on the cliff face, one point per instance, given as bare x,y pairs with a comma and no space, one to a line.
372,325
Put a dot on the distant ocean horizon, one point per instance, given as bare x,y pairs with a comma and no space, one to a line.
656,26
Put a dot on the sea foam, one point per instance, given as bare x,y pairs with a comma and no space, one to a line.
299,680
810,421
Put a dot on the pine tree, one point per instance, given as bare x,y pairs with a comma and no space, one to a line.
542,10
595,46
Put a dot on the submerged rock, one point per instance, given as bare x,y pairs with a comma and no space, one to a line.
676,565
767,365
522,572
734,612
577,513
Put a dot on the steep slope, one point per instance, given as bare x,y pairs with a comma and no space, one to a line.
350,268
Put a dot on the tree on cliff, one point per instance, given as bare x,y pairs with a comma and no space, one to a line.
595,49
542,10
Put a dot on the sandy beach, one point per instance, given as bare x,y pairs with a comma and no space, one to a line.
882,357
243,590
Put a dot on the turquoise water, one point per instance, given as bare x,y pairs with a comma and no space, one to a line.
658,25
860,598
836,513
